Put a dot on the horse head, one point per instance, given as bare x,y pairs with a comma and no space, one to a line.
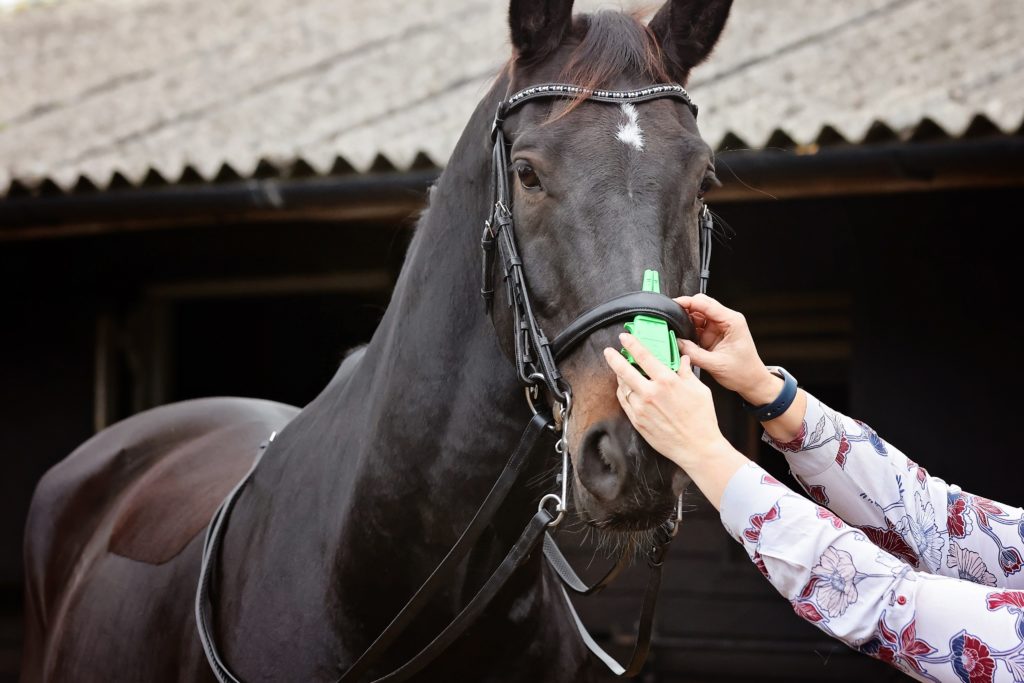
601,192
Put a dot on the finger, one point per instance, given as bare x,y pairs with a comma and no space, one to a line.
624,371
709,337
644,358
708,307
622,393
686,368
621,386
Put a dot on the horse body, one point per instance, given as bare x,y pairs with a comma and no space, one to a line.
362,485
363,492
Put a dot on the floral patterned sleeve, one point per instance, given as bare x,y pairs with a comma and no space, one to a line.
933,526
933,628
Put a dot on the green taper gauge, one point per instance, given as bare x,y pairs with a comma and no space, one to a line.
652,332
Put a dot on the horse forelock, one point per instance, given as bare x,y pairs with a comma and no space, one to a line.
610,45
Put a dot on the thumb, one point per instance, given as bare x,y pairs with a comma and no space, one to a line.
686,368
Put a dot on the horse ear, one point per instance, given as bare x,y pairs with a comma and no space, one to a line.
687,30
538,27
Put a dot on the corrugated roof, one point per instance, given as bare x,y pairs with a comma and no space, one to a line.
101,92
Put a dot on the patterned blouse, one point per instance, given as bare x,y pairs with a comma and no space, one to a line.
921,574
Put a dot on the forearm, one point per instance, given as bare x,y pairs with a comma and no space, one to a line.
714,468
845,465
720,461
930,627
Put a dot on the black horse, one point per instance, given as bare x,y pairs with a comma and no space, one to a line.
365,489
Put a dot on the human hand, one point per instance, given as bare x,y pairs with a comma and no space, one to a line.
672,411
726,350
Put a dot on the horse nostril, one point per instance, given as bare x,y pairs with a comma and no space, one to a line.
604,446
601,465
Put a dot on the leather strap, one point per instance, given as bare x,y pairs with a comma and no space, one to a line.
515,558
536,427
565,90
645,624
211,547
534,359
484,515
568,576
621,308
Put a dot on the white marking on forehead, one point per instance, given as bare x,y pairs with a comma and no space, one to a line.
629,130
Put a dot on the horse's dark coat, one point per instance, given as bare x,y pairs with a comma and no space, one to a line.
365,489
176,496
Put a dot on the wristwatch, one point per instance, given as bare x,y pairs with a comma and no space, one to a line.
783,401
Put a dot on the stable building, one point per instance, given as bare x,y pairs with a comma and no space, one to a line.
215,198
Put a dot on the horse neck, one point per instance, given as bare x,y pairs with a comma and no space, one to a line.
393,458
433,400
434,360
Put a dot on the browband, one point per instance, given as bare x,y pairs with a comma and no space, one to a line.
653,92
621,308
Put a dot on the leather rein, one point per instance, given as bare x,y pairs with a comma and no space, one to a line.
536,358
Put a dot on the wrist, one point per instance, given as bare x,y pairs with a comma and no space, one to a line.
711,452
764,389
712,473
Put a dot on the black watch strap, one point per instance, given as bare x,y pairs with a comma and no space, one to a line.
783,401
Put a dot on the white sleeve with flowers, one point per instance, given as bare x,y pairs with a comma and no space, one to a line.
933,526
934,628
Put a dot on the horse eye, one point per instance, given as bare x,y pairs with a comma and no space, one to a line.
528,177
709,183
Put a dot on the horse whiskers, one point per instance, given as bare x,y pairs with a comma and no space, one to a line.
613,537
546,477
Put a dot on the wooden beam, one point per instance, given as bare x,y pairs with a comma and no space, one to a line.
372,197
870,169
102,355
846,170
347,281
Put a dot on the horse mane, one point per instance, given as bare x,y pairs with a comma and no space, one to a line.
610,45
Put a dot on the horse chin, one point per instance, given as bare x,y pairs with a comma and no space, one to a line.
623,530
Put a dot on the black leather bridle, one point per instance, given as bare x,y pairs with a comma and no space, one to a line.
536,360
535,353
536,356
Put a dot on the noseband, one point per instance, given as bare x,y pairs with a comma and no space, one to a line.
536,355
536,363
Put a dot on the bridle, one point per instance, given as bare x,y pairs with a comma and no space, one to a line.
535,355
536,360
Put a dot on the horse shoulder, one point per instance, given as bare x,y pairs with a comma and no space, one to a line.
102,485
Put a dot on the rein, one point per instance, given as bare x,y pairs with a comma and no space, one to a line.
536,364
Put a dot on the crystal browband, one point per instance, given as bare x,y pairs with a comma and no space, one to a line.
561,89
